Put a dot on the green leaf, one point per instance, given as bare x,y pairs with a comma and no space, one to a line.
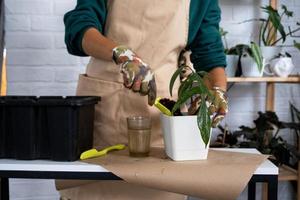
287,12
223,32
184,97
297,45
204,122
275,20
257,55
264,30
174,77
203,89
186,84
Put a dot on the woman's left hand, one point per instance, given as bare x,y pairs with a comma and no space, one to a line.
218,105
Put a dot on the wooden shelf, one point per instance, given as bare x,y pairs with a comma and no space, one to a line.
290,79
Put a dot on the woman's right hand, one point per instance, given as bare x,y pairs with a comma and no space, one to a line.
137,75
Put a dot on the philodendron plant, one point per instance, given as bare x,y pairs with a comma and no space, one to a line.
273,24
254,51
194,86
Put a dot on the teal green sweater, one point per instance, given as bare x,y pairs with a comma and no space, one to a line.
204,39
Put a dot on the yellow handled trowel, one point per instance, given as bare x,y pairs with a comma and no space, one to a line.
161,107
92,153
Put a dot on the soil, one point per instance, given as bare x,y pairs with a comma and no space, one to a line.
170,104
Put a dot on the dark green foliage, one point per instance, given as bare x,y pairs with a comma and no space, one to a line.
191,87
264,136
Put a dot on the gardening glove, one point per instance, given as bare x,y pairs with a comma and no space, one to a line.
137,75
217,105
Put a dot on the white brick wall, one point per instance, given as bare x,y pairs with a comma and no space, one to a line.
38,64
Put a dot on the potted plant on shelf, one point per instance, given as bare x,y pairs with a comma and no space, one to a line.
270,26
250,61
231,58
186,137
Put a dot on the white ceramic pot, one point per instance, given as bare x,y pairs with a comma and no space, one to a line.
182,138
270,52
249,67
232,62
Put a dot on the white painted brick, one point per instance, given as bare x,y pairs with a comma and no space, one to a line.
66,75
47,23
232,3
60,89
238,29
289,2
248,90
40,57
241,13
246,104
28,6
282,104
59,41
61,7
227,12
17,23
29,74
18,89
287,90
22,40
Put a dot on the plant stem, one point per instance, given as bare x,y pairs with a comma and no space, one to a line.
264,32
269,37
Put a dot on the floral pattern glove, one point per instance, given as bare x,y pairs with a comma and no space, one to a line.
137,75
217,105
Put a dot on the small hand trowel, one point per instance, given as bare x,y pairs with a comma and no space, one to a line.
161,107
92,153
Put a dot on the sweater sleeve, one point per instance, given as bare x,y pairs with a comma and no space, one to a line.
87,14
207,47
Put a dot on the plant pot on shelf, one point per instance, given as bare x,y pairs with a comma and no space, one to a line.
232,62
270,52
182,138
250,68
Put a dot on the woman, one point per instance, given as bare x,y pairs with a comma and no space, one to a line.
144,38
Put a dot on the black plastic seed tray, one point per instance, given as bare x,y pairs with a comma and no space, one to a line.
52,127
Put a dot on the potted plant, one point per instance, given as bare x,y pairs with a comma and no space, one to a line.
250,61
231,58
270,26
264,136
186,137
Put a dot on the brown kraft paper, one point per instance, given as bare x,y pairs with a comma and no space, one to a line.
223,175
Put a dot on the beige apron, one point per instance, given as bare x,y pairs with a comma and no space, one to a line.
157,31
